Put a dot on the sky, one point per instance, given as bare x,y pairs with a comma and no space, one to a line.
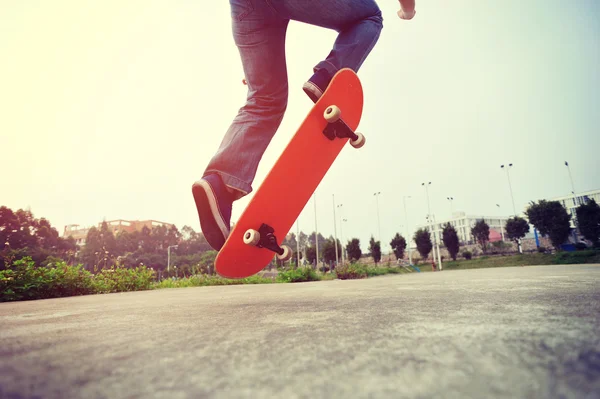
111,110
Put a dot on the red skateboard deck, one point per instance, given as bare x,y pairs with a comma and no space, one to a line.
291,182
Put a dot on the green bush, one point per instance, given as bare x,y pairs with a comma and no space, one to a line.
121,279
23,280
352,271
298,275
467,255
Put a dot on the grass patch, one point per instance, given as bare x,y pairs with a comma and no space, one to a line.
351,271
204,280
299,275
561,258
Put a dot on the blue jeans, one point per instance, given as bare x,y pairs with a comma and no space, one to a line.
259,29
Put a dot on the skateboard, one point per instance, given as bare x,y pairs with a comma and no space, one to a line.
259,233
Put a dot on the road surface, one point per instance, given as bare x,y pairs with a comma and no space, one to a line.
519,332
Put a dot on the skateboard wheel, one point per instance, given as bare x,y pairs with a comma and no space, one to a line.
359,142
251,237
286,255
332,114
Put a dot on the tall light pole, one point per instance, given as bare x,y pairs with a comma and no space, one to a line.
408,239
341,233
501,229
169,256
570,177
377,194
450,199
298,242
316,231
335,232
430,220
510,186
342,240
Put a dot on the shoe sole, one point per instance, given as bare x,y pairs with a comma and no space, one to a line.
209,214
312,90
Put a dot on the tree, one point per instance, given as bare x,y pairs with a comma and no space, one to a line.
290,241
588,220
192,243
398,245
311,254
375,249
423,240
353,249
551,219
481,232
100,247
16,229
516,228
303,241
450,239
21,234
329,250
322,240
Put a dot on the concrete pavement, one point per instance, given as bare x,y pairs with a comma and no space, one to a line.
520,332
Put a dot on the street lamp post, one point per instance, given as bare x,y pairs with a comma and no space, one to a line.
450,199
501,229
344,256
169,256
570,177
341,233
408,239
510,187
377,194
335,232
316,231
298,242
431,230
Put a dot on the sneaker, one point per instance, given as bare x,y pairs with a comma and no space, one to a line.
214,204
316,85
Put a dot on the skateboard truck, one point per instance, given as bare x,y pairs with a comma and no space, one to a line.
336,127
265,238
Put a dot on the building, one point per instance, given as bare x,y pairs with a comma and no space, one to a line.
116,226
79,234
572,201
463,224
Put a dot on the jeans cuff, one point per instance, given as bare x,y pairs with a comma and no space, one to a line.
233,182
328,66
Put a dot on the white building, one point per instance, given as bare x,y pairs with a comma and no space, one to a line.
572,201
463,224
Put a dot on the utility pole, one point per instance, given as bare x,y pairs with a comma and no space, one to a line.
335,232
432,232
570,177
341,233
298,242
169,256
510,187
451,211
316,231
408,239
377,194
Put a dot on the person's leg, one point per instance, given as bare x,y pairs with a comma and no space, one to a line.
359,23
260,37
259,34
